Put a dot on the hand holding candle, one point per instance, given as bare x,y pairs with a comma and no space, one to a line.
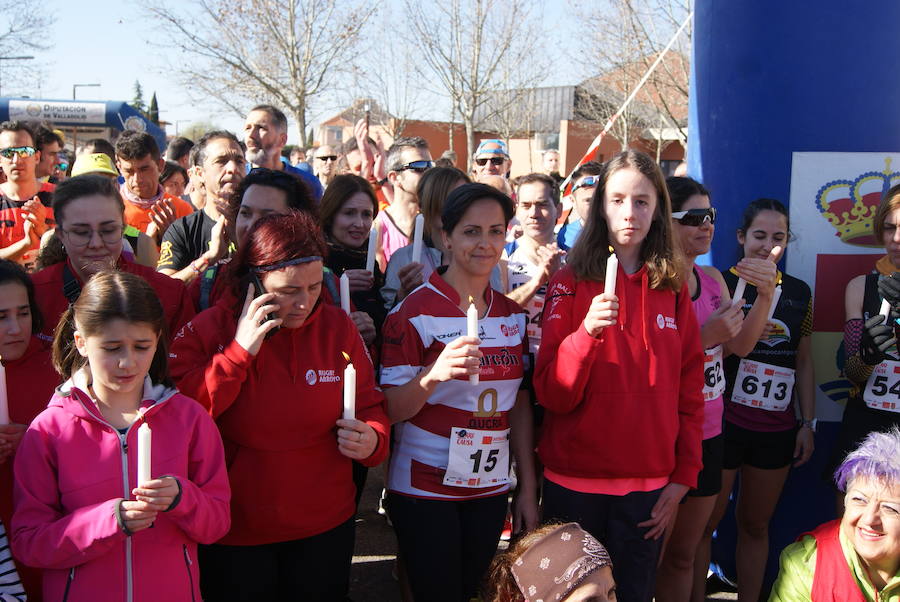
612,270
417,239
373,248
472,331
4,399
349,411
345,293
775,297
145,437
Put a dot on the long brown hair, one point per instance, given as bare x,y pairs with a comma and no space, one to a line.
658,250
110,295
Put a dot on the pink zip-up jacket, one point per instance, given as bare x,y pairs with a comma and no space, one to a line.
72,468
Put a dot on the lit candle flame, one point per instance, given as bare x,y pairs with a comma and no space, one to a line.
611,250
346,357
471,300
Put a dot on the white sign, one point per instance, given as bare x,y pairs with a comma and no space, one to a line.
60,112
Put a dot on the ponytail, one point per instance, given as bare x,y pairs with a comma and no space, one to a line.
66,358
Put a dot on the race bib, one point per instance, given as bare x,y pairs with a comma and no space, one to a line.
763,386
477,458
713,374
883,387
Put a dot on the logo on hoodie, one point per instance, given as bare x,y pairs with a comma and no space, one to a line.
666,322
311,377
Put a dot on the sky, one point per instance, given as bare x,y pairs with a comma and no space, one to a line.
110,44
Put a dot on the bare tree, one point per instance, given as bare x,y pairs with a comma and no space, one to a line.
240,52
466,44
25,27
625,38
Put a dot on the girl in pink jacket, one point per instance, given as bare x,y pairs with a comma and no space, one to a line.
80,513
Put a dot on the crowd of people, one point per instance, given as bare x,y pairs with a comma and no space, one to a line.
560,367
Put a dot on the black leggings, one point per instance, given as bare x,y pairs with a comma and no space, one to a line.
613,520
447,546
315,568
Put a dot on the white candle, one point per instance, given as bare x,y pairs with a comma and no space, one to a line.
373,248
349,412
739,291
472,331
145,437
775,299
884,311
417,239
4,400
612,269
345,293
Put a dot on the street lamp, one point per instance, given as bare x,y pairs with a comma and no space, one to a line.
14,58
74,86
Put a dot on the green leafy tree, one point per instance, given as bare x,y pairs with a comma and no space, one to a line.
153,111
138,102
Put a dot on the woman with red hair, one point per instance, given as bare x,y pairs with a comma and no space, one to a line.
270,370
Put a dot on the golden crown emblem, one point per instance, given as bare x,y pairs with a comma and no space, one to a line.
850,205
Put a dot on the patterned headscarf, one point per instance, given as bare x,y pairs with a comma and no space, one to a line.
557,563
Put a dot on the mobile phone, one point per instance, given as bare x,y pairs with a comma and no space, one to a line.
258,290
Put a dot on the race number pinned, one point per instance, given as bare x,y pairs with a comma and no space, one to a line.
763,386
477,458
883,387
713,374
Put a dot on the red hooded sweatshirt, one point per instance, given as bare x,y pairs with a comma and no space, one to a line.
276,412
51,298
629,403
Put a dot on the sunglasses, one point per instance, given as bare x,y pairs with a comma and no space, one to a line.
21,151
586,182
695,217
62,166
327,158
417,166
494,161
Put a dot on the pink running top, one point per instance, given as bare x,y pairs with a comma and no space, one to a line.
392,238
707,300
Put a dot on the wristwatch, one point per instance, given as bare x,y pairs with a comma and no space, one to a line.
810,423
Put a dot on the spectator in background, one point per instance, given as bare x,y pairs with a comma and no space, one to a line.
48,143
199,240
298,159
407,160
326,164
265,134
447,159
25,212
491,159
550,164
585,180
99,145
179,151
147,206
174,179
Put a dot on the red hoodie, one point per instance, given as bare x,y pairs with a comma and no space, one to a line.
277,414
48,289
629,403
30,382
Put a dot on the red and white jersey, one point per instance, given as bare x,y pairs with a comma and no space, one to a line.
415,333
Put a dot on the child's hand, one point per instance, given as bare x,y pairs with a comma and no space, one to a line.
157,494
136,515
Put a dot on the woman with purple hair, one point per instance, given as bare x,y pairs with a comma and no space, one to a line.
856,558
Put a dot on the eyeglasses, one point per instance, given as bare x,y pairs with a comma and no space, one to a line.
82,237
481,162
586,182
695,217
326,158
21,151
417,166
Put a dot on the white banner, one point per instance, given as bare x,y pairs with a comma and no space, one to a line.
59,112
